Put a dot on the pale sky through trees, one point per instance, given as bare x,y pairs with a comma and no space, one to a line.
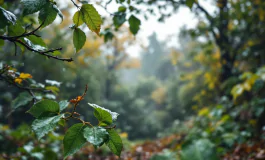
165,31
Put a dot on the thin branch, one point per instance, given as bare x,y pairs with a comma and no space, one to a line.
19,87
210,18
10,81
77,102
73,113
10,38
111,127
44,53
105,8
78,7
15,39
80,100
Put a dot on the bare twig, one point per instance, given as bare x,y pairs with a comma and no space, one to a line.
78,7
210,19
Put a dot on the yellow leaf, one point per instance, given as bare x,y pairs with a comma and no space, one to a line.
252,122
247,86
159,95
91,17
54,89
174,56
203,92
124,135
237,90
18,80
194,107
211,86
225,118
25,75
203,112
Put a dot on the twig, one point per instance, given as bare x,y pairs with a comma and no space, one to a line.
77,100
80,100
19,87
28,89
78,7
210,19
15,39
44,53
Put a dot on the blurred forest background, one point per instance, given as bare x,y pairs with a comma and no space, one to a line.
201,100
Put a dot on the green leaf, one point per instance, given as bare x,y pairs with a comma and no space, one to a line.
122,9
44,107
4,21
79,39
237,90
74,139
9,16
108,35
50,155
91,18
22,48
119,19
134,24
53,89
62,122
56,53
15,30
47,15
37,40
32,6
96,135
78,18
114,143
22,99
190,3
63,104
164,155
104,116
199,150
44,125
2,42
35,46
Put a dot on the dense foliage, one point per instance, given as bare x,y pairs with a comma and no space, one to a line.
201,100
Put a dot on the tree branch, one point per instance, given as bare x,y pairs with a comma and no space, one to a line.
210,19
15,39
8,79
44,53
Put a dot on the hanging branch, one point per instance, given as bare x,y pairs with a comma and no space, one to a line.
9,80
15,39
210,19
